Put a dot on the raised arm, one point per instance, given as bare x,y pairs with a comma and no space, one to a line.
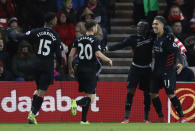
120,45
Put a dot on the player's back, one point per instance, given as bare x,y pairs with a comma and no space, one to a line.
46,43
86,46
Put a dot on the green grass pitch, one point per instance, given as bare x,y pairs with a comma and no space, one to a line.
98,127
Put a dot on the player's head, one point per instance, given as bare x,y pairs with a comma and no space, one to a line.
142,27
91,26
158,25
50,19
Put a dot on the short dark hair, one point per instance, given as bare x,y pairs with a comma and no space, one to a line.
89,24
161,19
49,16
176,21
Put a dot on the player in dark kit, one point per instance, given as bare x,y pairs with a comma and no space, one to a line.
164,73
140,70
46,43
88,49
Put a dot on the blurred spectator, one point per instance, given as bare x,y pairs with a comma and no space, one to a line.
77,4
12,44
151,10
186,75
100,15
190,46
99,11
138,11
56,73
177,28
109,5
22,62
7,10
80,27
175,14
69,11
65,29
4,56
5,75
192,23
31,12
186,7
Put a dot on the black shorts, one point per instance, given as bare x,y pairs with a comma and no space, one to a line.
139,76
165,80
87,82
43,79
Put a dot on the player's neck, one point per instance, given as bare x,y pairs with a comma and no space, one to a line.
90,33
48,26
160,33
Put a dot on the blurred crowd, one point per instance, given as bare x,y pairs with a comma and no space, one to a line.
23,15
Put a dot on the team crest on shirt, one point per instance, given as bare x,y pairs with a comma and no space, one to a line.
28,33
99,47
174,44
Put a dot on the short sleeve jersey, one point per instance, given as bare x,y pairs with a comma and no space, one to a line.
46,43
86,46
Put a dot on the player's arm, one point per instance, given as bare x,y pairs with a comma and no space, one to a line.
179,44
100,55
70,59
58,52
171,46
120,45
181,62
78,30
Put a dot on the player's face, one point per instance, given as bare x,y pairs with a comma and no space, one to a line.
142,28
158,27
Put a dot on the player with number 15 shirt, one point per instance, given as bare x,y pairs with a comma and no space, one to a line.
46,43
